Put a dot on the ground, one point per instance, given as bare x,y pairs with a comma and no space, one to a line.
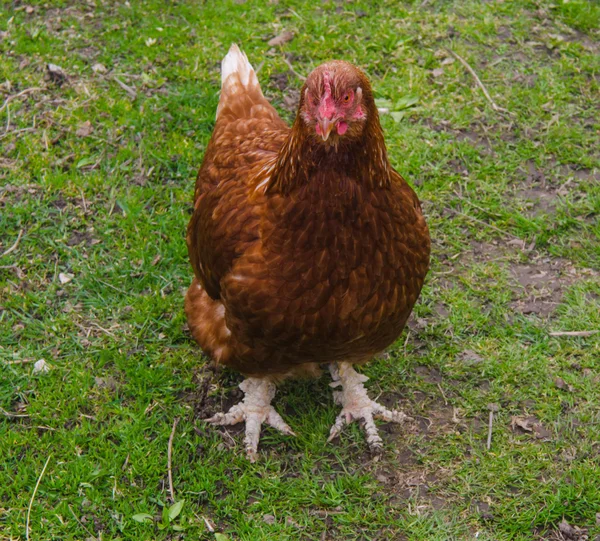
105,111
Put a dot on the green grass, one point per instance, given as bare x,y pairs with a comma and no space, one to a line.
109,207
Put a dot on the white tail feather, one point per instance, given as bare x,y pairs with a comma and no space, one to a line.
236,61
236,70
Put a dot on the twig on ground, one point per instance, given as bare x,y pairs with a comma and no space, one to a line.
443,394
33,497
209,526
490,424
289,65
13,415
15,96
494,105
88,329
150,407
19,361
442,273
476,206
83,200
14,246
482,223
131,91
493,408
169,457
225,432
406,341
81,523
15,132
573,333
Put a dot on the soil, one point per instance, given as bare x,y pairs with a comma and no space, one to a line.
537,281
564,532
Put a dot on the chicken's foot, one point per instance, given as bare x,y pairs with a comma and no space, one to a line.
356,404
255,409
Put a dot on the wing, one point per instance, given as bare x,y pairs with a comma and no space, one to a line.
247,137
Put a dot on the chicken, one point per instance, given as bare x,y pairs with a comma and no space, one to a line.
307,246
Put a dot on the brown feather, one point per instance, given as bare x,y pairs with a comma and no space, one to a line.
303,252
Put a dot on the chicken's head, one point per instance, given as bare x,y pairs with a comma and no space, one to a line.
335,102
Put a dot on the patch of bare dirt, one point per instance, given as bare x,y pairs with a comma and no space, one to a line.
212,394
543,284
285,83
527,80
537,281
474,135
564,532
11,193
539,189
86,238
281,79
430,416
405,478
429,374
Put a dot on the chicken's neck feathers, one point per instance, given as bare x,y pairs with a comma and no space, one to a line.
302,155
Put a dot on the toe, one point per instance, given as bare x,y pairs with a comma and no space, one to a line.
391,416
233,416
251,454
340,421
373,438
216,419
253,424
276,421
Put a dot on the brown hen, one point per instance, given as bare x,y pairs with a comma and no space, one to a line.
307,246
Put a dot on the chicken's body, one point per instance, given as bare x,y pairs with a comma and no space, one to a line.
304,252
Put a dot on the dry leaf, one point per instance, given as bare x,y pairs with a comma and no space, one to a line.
109,383
563,385
65,277
57,74
41,367
282,38
522,422
156,260
99,68
437,72
468,355
531,425
572,532
84,129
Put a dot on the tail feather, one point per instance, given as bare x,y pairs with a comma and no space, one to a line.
236,62
237,75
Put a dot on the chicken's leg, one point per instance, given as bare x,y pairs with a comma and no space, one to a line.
356,404
255,409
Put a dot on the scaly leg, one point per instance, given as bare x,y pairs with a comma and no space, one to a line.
255,409
356,404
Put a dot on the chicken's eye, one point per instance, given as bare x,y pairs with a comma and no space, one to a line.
347,98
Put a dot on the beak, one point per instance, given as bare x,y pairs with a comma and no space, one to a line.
326,126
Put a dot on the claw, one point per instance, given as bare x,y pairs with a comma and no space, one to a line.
357,406
255,409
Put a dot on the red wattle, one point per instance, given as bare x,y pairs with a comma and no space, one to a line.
342,128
